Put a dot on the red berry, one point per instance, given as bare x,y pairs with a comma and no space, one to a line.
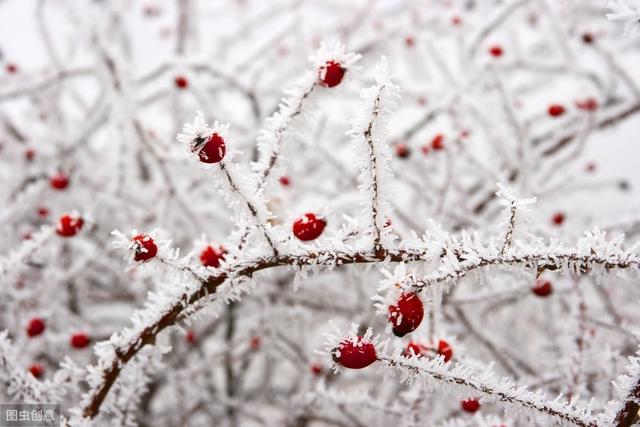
29,154
587,104
211,150
591,167
556,110
558,218
437,143
145,248
355,356
470,405
309,227
331,74
402,150
414,348
284,181
445,350
587,38
426,148
542,288
255,343
35,327
181,82
316,369
210,257
12,68
80,340
406,314
69,225
496,51
37,370
191,336
43,212
456,20
409,41
59,181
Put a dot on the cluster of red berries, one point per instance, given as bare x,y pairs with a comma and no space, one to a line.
37,326
588,104
69,225
309,227
405,315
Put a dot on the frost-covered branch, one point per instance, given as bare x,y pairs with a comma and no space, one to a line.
458,377
376,176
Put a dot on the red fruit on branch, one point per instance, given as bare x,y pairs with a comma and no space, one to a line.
402,150
414,348
316,369
437,143
556,110
496,51
255,343
80,340
191,336
331,74
59,181
309,227
37,370
144,247
409,41
406,314
181,82
470,405
355,356
587,104
35,327
211,257
542,288
587,38
445,350
284,181
210,150
69,225
558,218
29,154
11,68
